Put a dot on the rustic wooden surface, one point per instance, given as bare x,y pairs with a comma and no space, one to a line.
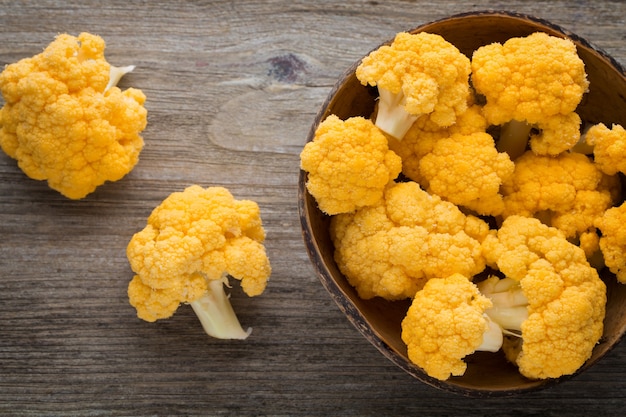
232,88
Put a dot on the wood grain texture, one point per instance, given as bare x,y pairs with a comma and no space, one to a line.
232,87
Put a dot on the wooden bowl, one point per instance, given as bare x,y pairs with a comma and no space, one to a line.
488,374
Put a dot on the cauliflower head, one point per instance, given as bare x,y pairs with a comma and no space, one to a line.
474,172
62,124
445,322
568,192
192,239
348,164
539,80
566,297
416,74
613,240
391,249
609,147
423,134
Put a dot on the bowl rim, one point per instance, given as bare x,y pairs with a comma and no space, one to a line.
343,301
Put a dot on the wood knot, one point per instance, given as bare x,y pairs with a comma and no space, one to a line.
286,68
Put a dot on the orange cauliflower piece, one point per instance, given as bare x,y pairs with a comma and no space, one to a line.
568,192
446,322
423,134
474,171
416,74
64,122
192,242
537,80
566,297
348,164
391,249
609,147
613,240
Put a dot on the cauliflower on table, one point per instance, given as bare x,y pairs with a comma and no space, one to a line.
193,241
64,121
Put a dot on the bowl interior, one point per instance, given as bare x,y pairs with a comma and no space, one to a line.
378,320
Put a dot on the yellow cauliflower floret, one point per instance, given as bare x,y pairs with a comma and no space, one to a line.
444,324
613,240
473,171
63,123
348,164
391,249
609,147
568,192
192,241
566,297
423,134
416,74
538,80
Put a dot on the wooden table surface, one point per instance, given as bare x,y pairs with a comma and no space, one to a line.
232,87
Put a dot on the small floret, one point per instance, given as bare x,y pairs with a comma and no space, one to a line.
566,297
391,249
568,192
66,122
446,322
193,241
534,81
474,171
348,164
609,147
613,240
416,74
423,134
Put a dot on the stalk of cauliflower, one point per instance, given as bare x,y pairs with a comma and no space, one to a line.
563,318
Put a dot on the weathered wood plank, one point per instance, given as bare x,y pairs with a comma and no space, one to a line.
232,90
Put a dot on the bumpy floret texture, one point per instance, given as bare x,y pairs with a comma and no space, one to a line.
444,324
430,73
424,134
348,164
613,240
193,237
568,192
391,249
61,125
548,203
538,79
566,297
474,171
609,147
